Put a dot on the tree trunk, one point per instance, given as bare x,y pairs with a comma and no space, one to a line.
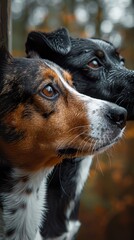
5,23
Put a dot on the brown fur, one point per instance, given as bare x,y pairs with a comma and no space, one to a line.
42,137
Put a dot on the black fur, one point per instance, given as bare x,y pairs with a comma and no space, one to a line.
98,71
110,81
61,190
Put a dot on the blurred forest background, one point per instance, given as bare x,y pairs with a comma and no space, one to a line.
107,205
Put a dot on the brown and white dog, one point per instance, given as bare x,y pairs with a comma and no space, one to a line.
43,120
98,70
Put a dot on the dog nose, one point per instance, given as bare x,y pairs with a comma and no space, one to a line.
118,116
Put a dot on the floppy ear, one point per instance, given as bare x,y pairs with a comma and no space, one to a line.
41,43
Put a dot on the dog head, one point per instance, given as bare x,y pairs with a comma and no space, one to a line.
43,119
98,69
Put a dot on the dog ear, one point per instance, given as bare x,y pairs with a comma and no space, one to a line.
57,41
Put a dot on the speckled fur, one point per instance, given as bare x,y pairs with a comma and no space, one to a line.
23,205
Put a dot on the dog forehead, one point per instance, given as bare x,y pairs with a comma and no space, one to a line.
79,45
25,77
83,48
37,70
103,45
58,73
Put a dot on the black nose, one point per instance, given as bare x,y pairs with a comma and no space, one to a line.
117,115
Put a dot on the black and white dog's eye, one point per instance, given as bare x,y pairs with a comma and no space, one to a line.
49,92
94,64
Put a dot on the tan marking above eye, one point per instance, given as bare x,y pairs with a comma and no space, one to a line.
68,78
100,54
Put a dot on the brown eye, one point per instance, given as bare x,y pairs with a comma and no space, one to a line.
94,64
49,92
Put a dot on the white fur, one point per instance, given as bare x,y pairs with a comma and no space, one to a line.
80,181
25,221
73,227
83,174
38,236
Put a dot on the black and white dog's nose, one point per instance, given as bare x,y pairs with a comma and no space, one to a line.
117,115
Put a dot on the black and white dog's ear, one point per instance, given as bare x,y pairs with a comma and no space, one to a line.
41,42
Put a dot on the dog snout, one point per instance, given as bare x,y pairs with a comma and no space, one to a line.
117,116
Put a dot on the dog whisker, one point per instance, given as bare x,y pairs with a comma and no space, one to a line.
73,140
85,140
99,165
51,176
78,127
109,158
93,144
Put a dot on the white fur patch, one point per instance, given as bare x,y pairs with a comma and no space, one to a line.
83,174
38,236
22,212
80,180
73,227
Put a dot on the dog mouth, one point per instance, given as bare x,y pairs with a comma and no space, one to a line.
106,146
97,147
67,151
74,152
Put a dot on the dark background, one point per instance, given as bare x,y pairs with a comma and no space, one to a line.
107,204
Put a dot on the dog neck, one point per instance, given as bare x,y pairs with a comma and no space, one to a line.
21,203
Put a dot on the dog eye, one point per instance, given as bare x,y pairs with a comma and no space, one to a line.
94,64
49,92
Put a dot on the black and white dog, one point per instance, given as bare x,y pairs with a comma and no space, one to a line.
98,70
